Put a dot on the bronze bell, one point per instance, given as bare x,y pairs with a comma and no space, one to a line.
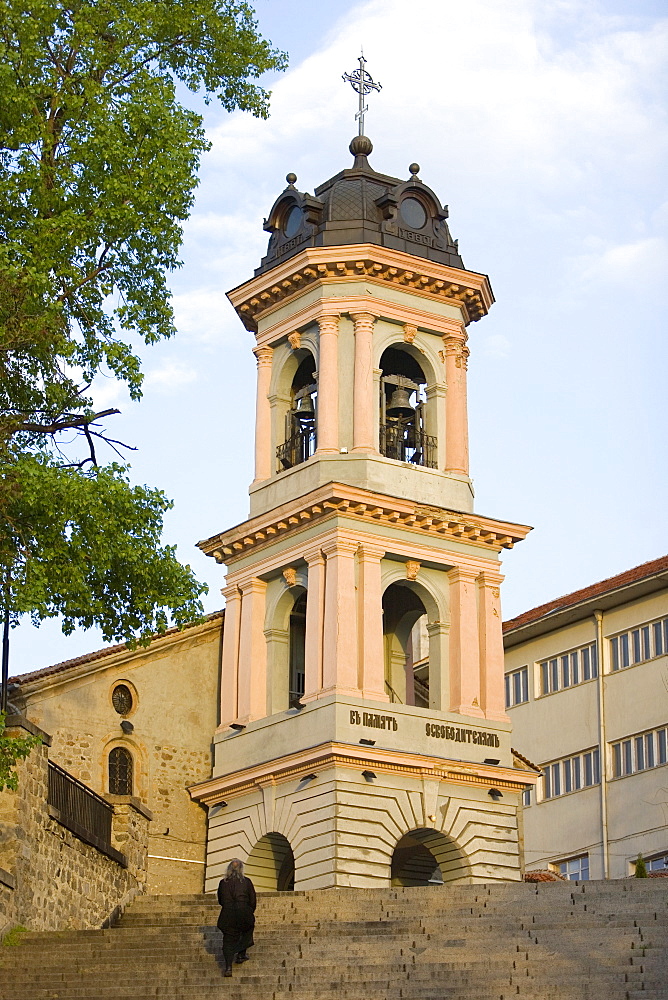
400,404
305,413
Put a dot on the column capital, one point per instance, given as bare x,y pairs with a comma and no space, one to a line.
463,574
230,592
490,578
263,355
313,556
363,319
438,628
340,546
328,323
367,550
253,585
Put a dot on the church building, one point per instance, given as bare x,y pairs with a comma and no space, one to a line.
363,736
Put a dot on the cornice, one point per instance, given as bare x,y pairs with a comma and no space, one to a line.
468,290
335,499
296,766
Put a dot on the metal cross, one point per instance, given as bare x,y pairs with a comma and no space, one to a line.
362,82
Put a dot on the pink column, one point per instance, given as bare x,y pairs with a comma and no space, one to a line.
491,645
364,402
456,425
252,652
370,623
328,385
315,602
263,456
464,643
229,673
339,643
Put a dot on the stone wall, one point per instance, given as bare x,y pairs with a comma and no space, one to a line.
50,879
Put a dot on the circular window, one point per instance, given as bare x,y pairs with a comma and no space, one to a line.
293,221
413,213
121,699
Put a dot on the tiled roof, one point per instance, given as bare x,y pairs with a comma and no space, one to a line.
544,875
595,590
98,654
525,760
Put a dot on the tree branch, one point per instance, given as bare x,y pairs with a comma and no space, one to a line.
66,424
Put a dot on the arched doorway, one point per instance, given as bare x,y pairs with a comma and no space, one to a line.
406,646
427,857
271,864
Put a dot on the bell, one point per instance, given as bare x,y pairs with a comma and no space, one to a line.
305,413
400,404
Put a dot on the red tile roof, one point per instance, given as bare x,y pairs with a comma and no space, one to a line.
595,590
544,875
98,654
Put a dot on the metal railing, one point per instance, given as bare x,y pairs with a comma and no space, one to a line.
404,443
298,447
81,810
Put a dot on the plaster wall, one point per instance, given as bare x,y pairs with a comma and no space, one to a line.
175,688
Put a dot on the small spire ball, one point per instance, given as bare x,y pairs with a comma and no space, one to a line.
414,169
361,146
291,178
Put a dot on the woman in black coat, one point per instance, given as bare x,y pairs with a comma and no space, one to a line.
236,895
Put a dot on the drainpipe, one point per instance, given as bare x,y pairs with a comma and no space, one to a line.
603,755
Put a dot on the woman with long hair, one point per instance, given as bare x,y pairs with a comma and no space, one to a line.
236,895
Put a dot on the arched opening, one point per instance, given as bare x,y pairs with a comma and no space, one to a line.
120,771
297,652
403,410
427,857
406,646
299,441
271,864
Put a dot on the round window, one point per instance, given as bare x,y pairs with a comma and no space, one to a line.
413,213
121,699
293,221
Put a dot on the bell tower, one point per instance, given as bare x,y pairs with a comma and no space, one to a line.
363,738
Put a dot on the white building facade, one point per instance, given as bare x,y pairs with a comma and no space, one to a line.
587,692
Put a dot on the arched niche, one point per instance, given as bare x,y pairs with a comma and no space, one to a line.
427,857
415,637
408,424
293,398
271,864
286,635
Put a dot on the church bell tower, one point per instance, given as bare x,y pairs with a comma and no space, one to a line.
363,737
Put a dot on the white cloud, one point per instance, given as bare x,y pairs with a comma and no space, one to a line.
634,265
497,347
170,375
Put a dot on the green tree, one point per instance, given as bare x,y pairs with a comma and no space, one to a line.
641,868
98,168
12,748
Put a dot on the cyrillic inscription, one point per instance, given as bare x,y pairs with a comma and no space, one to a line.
460,735
373,720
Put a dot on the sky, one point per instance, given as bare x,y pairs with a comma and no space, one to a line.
542,124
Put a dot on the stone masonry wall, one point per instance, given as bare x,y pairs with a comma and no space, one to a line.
61,882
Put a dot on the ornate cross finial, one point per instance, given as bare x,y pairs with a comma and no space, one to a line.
363,84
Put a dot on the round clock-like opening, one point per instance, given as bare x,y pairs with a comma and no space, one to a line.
121,699
293,222
413,213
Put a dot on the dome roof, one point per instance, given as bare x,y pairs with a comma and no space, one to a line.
359,205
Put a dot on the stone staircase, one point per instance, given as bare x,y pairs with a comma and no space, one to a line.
548,941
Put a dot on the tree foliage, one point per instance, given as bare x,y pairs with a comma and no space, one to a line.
12,749
98,168
640,867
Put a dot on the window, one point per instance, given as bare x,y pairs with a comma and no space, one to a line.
571,774
121,699
574,869
568,669
639,753
517,687
657,863
120,771
526,797
639,644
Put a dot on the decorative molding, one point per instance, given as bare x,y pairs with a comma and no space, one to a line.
330,755
467,289
412,569
295,340
362,506
263,355
290,576
410,333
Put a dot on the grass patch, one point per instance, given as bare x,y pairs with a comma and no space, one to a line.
13,937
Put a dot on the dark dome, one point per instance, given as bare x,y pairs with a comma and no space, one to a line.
359,205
